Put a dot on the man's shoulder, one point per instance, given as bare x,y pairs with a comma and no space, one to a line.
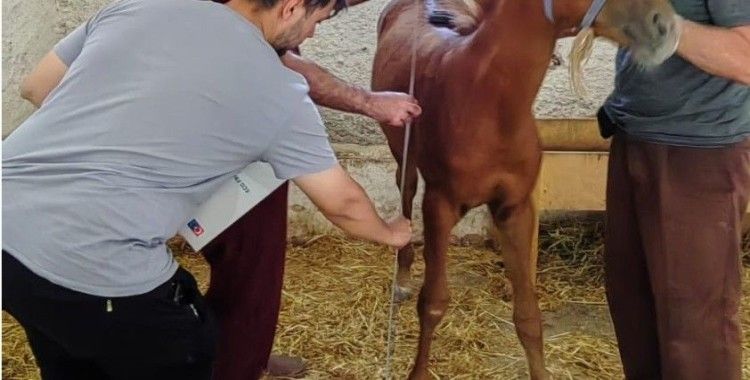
278,80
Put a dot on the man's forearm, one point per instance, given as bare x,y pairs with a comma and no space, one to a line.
718,51
345,203
361,220
326,89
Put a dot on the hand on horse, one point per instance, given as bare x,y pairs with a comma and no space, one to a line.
392,108
400,232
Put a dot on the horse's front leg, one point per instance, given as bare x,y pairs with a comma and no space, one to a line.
440,215
515,228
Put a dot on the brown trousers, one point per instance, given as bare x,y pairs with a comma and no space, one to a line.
247,273
672,258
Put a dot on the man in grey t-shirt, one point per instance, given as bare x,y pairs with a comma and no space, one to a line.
678,187
151,115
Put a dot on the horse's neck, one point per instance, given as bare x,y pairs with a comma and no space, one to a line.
506,28
510,51
524,20
515,41
511,48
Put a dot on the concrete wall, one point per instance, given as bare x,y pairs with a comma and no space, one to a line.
345,45
28,32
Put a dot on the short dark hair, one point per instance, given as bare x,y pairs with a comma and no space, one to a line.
311,5
314,4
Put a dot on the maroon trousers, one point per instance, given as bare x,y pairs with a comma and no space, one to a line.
672,258
247,271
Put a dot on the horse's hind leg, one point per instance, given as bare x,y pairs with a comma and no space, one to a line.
440,216
406,254
514,228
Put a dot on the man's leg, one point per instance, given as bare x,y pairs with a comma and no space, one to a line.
247,271
690,203
168,333
80,336
56,363
629,293
24,295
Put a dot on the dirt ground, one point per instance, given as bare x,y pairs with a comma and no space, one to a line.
336,303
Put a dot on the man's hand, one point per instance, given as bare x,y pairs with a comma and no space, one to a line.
393,108
401,232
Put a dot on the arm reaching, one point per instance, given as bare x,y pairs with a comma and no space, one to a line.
345,204
392,108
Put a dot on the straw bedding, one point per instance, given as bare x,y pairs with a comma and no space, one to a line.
335,310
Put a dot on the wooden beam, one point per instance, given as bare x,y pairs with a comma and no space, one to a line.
573,181
571,135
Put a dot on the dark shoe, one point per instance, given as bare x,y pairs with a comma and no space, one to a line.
286,366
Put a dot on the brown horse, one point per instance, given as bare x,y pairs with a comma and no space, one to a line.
476,142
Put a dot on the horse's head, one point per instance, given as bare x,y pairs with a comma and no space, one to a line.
648,28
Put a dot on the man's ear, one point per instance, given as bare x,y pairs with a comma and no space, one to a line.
289,7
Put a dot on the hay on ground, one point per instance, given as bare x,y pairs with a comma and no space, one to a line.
335,311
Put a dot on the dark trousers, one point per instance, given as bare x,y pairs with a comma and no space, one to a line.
247,272
672,258
167,333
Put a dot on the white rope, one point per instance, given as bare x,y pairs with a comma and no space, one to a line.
391,346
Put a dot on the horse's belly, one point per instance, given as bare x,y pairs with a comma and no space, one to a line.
473,186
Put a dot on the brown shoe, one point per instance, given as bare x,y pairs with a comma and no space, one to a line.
286,366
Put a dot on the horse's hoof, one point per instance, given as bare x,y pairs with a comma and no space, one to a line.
402,294
542,375
414,376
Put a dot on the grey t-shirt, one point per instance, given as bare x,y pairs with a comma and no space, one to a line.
162,102
677,103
